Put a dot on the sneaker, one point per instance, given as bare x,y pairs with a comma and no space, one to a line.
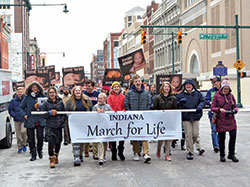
19,150
101,162
136,157
201,151
233,158
24,148
146,158
77,161
65,143
168,158
222,159
190,156
216,149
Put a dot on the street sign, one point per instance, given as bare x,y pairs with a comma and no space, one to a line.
214,36
220,71
239,65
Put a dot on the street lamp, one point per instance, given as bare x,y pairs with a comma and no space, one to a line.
65,9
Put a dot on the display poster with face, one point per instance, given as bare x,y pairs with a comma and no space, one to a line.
132,62
174,79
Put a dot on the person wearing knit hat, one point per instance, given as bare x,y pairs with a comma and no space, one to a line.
225,82
115,83
224,105
105,89
116,101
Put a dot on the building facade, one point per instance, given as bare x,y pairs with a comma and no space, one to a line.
199,56
110,50
34,61
148,47
167,53
97,67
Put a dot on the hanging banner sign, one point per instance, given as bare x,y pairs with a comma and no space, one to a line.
129,125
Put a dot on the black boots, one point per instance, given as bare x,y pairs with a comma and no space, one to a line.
40,154
33,155
233,158
114,154
120,153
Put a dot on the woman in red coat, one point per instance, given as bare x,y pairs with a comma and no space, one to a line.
224,105
116,101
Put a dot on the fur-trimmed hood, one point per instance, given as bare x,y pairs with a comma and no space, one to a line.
40,88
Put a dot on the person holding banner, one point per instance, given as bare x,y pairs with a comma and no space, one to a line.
191,98
165,101
138,99
54,124
101,107
93,95
116,101
78,102
33,122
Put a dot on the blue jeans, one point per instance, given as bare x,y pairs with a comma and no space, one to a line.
214,134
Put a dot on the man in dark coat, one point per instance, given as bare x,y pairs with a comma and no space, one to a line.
191,98
216,81
15,112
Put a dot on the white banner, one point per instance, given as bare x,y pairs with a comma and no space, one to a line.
130,125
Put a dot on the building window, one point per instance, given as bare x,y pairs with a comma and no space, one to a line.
129,24
129,18
139,17
116,43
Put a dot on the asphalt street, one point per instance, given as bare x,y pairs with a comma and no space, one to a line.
16,169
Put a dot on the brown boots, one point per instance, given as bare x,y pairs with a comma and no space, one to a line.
52,162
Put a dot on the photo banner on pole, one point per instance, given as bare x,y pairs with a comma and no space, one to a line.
130,125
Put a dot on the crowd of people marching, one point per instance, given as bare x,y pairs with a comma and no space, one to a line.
33,130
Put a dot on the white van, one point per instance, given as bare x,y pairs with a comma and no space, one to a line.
6,122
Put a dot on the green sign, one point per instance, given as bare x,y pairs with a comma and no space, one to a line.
214,36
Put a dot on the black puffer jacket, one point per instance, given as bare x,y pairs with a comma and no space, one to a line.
192,100
56,121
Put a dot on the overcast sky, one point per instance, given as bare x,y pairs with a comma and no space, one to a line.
81,31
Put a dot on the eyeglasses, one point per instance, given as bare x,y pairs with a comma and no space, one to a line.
213,82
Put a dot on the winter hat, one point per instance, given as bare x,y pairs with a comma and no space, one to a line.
225,82
114,83
105,88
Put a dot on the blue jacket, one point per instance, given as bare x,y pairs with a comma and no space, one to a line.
192,100
209,98
137,100
27,106
14,109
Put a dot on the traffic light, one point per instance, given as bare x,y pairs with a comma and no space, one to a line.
243,74
143,37
179,37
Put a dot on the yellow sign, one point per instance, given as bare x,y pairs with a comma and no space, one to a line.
239,65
